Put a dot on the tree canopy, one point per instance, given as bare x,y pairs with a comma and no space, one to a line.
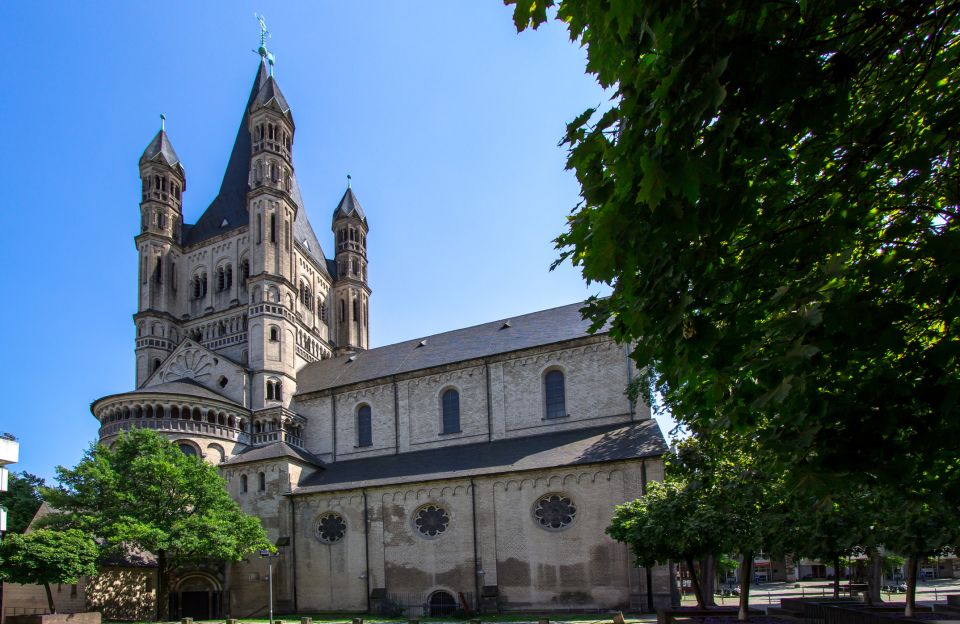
46,556
21,500
773,194
145,493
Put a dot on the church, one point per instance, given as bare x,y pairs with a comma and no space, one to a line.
473,470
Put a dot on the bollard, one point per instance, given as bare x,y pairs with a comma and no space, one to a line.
306,620
186,621
618,618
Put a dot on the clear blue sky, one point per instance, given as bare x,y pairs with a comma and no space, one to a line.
446,118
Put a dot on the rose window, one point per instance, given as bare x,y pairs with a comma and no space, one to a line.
431,520
330,528
554,511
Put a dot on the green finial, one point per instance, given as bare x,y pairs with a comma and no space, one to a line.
162,120
264,35
348,180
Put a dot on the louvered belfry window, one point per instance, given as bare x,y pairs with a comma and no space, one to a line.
555,395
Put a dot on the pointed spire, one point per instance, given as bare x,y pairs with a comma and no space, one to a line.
349,206
161,148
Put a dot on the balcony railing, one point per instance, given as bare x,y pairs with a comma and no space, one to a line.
277,435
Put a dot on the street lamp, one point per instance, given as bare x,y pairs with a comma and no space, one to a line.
270,556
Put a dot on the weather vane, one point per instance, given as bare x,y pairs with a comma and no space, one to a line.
264,35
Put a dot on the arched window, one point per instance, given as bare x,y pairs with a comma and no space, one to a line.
243,483
356,311
554,394
273,228
156,365
263,482
158,271
221,279
364,426
203,284
244,272
228,276
322,309
269,390
274,333
156,182
450,404
259,228
343,310
187,449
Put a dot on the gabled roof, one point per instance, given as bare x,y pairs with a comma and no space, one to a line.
160,148
520,332
230,204
349,206
552,450
274,450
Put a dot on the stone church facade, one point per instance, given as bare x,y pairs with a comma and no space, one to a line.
476,468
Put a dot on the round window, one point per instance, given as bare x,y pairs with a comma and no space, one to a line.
431,520
330,528
554,511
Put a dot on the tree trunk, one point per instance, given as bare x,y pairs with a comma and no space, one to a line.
836,576
697,590
875,576
163,601
746,571
53,608
911,603
708,579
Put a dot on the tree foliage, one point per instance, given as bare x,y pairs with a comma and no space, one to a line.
21,500
145,493
773,195
46,556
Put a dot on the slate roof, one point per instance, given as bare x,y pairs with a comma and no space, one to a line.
349,206
557,449
160,146
273,451
523,332
230,203
269,90
181,387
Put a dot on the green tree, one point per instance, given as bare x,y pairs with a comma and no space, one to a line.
773,196
145,493
918,526
46,556
828,529
672,522
21,500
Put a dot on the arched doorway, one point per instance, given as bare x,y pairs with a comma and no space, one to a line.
197,596
442,604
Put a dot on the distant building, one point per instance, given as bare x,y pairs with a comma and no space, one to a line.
9,454
478,467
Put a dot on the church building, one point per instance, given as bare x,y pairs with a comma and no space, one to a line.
473,469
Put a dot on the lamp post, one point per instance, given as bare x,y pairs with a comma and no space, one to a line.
270,556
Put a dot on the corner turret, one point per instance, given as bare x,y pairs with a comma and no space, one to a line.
351,291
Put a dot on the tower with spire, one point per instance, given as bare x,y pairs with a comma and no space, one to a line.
249,280
163,182
351,292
